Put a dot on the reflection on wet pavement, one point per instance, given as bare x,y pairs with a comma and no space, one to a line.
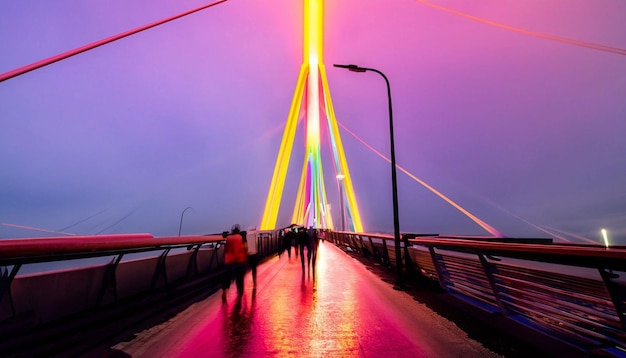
339,309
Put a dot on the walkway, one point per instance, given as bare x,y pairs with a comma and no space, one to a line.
342,311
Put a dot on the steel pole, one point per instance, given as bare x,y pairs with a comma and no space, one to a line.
394,183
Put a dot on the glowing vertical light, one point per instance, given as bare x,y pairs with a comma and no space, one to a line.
312,87
605,237
312,47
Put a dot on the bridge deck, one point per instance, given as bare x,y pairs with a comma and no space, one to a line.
341,310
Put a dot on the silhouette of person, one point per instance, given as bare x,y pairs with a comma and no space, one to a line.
288,238
235,259
281,242
313,245
303,241
294,238
253,257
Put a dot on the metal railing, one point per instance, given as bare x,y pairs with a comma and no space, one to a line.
103,270
573,293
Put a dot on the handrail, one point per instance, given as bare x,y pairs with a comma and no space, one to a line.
615,252
567,254
92,285
14,251
573,293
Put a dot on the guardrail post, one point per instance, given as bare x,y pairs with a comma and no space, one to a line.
109,281
408,263
489,270
375,252
216,248
5,284
354,243
616,292
364,251
192,267
386,259
440,272
160,271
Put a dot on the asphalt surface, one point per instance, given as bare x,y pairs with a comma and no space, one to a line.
340,308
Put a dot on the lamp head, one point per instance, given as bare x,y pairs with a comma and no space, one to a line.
353,68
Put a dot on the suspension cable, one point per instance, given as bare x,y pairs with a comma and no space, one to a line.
36,65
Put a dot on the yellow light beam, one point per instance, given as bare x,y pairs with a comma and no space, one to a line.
311,206
272,204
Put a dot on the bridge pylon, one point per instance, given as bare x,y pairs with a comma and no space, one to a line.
311,206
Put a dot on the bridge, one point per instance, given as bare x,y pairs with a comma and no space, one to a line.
159,296
566,297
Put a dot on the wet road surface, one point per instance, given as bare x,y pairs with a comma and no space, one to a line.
340,309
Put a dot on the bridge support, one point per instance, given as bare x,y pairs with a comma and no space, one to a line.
311,207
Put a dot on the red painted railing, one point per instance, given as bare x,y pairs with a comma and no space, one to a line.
130,266
49,249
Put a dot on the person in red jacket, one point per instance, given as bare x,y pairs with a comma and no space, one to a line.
235,259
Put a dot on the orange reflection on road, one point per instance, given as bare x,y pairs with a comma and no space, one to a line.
302,318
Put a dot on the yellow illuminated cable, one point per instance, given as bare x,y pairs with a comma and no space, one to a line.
311,205
272,204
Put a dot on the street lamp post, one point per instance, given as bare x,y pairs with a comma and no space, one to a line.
394,185
340,178
180,226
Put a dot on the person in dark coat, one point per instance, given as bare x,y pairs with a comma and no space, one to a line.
303,241
289,236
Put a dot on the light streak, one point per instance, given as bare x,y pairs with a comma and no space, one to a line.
36,229
576,236
478,221
605,237
565,40
555,233
545,230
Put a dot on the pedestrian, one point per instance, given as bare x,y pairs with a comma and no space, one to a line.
303,241
288,238
313,245
235,258
253,249
294,239
281,242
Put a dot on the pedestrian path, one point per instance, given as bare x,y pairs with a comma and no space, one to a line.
340,309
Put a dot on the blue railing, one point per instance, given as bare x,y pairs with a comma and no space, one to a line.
573,293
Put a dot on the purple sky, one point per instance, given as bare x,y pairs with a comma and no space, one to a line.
519,130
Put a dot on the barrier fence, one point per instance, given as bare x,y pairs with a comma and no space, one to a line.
573,293
46,279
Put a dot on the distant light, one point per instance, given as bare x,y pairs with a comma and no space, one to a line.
604,236
340,176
